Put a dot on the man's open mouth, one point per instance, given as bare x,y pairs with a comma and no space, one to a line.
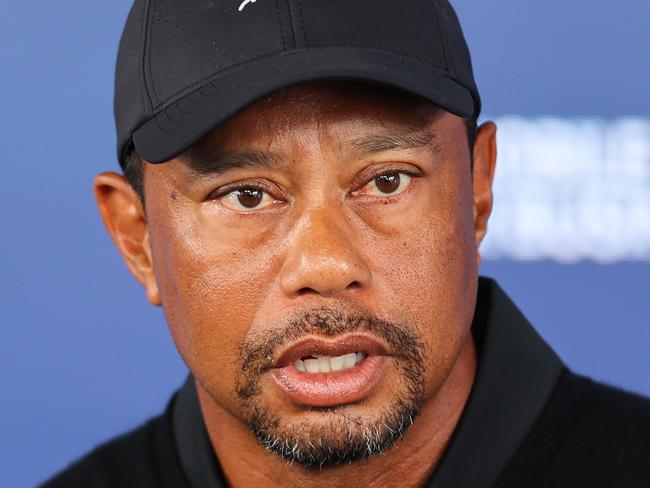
319,372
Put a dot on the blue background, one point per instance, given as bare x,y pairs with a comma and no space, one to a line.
85,357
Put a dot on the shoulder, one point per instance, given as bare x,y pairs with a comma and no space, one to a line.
589,434
605,411
143,457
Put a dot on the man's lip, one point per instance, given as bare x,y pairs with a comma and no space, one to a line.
331,389
318,346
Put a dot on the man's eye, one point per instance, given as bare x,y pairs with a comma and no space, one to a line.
246,199
388,184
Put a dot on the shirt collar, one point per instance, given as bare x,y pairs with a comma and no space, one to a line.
197,458
516,373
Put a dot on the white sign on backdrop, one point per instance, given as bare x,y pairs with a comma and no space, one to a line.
571,189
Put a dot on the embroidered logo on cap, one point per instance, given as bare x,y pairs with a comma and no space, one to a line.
244,3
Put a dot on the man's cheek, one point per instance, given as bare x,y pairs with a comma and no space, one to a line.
431,280
217,307
208,304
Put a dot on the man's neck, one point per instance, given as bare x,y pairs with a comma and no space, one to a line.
410,462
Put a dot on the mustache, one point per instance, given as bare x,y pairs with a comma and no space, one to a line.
256,352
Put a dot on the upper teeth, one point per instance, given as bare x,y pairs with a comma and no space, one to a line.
326,364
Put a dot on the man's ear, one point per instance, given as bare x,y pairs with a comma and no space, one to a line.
125,220
485,157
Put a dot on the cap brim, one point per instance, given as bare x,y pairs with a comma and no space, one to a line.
193,114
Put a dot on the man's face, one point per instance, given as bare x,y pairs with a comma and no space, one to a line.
328,227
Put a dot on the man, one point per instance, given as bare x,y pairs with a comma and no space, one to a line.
305,194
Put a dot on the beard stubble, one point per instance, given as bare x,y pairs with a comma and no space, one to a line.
338,437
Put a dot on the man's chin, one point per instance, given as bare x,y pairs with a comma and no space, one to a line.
326,437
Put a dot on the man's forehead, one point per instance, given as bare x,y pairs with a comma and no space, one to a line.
323,100
360,116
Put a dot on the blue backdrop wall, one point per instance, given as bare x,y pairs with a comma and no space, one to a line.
83,356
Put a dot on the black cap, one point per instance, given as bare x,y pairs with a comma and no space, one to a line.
185,66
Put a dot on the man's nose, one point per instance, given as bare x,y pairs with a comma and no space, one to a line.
323,256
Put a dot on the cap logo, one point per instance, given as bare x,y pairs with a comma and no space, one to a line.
244,3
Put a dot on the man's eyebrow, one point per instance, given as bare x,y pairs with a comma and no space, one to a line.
219,162
395,139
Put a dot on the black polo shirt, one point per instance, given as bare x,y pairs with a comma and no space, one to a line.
528,422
